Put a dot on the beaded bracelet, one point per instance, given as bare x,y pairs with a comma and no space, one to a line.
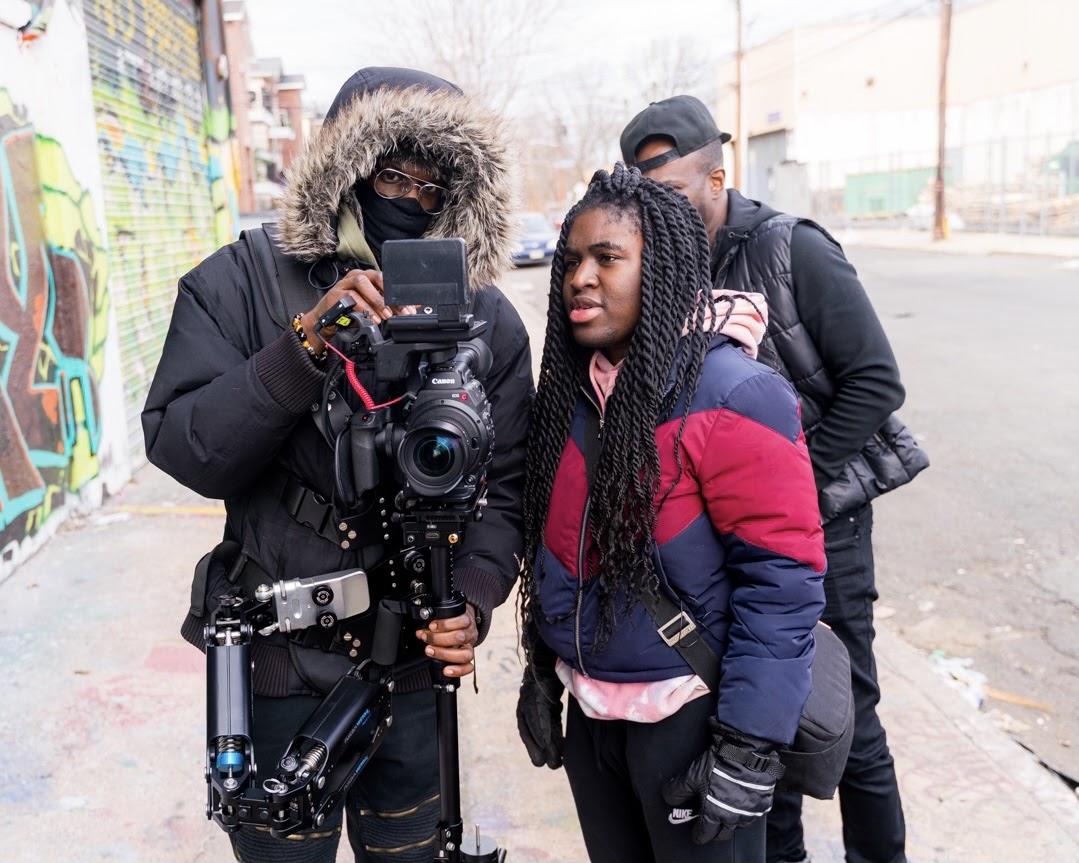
297,327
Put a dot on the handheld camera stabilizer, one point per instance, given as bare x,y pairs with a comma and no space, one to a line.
439,438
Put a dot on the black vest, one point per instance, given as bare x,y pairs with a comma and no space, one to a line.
762,263
756,256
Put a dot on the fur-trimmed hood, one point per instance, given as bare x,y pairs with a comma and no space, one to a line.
454,132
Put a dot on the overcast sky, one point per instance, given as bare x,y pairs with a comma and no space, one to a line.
334,38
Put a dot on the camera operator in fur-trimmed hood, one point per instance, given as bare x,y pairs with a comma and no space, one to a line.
402,155
430,125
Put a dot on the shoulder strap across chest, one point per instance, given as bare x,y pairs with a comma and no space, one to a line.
282,279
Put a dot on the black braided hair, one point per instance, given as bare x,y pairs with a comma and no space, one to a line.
676,294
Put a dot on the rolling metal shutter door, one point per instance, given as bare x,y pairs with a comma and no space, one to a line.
149,102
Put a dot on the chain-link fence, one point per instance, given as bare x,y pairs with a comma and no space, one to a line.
1017,184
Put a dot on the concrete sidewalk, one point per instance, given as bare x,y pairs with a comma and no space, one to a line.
962,242
103,729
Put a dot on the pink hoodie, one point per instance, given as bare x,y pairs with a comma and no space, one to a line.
744,317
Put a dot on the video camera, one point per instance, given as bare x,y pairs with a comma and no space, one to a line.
437,434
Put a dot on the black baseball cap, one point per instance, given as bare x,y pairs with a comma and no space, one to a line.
683,119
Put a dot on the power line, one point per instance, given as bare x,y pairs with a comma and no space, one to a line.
831,48
865,16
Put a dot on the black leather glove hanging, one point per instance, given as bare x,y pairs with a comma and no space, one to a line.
539,710
729,785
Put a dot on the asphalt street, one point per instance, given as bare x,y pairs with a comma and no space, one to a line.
979,557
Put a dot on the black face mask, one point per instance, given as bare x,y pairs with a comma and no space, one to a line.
385,219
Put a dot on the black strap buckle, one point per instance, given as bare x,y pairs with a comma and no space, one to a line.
311,509
756,762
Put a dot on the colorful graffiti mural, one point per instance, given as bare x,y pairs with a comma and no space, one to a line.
224,173
117,175
62,446
54,306
164,163
41,14
219,127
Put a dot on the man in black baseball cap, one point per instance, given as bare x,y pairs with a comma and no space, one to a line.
683,119
677,142
834,351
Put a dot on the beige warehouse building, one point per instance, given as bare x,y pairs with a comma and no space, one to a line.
841,119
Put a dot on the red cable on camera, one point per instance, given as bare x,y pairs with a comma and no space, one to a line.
357,387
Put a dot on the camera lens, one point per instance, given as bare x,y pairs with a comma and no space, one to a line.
445,445
434,455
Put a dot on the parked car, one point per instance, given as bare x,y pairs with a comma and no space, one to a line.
537,241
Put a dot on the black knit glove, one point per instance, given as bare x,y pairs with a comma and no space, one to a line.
539,715
729,785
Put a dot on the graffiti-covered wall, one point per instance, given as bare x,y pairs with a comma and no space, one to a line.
60,375
153,126
219,125
116,176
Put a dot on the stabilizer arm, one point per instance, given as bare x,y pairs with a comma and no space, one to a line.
334,744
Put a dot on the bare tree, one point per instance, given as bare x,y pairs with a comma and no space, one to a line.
542,164
584,122
481,46
569,122
673,66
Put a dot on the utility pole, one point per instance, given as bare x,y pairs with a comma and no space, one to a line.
739,147
942,105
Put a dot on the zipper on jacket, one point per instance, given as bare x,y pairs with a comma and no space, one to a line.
580,586
579,599
590,398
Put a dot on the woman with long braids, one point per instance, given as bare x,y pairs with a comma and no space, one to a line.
666,468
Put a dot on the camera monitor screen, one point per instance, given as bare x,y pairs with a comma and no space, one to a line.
425,272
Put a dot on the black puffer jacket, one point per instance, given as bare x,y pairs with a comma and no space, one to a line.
228,413
826,339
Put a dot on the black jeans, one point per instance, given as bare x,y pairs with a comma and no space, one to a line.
391,810
617,769
873,826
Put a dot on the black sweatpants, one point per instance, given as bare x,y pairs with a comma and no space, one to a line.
616,771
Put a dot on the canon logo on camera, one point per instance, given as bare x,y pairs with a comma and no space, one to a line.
444,380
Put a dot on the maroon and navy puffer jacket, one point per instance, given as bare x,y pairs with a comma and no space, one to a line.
738,541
